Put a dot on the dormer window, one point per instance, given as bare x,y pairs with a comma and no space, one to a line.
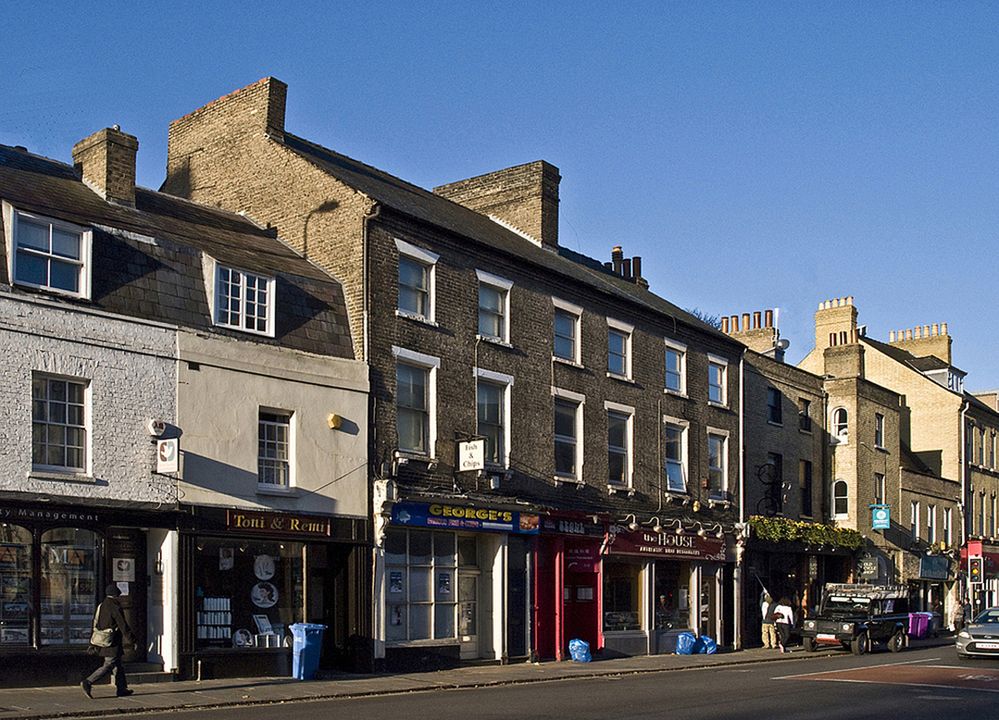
48,254
244,301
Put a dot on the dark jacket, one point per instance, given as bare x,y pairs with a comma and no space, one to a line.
109,615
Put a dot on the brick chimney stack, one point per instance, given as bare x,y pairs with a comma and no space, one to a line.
106,163
524,198
836,323
758,332
924,340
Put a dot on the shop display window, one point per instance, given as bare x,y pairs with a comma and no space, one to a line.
247,592
421,585
622,596
672,595
71,567
15,585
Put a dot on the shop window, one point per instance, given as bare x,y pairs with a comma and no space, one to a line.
622,596
420,569
247,592
70,574
672,595
15,585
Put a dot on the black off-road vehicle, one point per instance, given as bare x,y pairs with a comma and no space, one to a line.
857,616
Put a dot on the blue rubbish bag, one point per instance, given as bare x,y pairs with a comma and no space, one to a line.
706,645
579,650
685,643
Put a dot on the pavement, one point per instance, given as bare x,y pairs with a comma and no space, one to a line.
62,702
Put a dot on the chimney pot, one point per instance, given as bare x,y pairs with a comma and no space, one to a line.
756,319
106,163
636,267
745,322
626,269
724,322
936,329
769,318
943,328
617,258
735,323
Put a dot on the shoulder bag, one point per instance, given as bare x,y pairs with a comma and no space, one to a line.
100,638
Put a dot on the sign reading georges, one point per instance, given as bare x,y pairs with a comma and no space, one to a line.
687,547
269,523
460,517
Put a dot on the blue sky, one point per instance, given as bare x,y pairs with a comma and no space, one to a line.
755,154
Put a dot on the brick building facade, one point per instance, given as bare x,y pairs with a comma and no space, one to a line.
476,323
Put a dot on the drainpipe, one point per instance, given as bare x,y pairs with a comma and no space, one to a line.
964,489
376,620
737,572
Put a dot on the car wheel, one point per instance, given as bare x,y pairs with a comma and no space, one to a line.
808,643
861,644
896,642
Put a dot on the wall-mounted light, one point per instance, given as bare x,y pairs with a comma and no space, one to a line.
334,421
656,525
631,521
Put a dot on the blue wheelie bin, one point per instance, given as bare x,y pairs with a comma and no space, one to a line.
308,642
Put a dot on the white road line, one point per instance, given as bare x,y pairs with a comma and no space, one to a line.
862,667
910,684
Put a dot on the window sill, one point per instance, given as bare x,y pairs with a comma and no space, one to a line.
804,432
57,476
676,393
621,378
570,363
775,424
613,489
719,502
566,480
277,490
422,319
494,341
680,496
720,406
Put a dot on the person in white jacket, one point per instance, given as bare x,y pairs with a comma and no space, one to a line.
784,620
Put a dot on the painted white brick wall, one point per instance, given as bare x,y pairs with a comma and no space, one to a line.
131,368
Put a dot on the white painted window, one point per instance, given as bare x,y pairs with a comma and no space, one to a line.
981,446
567,321
840,425
931,524
619,348
914,519
59,424
947,531
717,462
992,450
416,401
981,513
417,279
676,368
841,499
675,450
48,254
421,585
244,301
494,307
717,376
568,435
619,444
493,415
879,430
274,449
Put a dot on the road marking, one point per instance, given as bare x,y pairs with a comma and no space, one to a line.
862,667
911,674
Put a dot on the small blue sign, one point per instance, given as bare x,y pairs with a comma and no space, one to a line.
880,517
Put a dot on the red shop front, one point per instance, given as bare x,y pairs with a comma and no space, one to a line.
567,583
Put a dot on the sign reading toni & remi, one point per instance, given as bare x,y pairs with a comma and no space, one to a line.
461,517
269,523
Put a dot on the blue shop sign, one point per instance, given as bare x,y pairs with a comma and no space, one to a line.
880,517
445,516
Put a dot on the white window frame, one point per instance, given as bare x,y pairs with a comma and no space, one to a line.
992,516
724,435
503,286
216,270
629,466
681,351
429,261
981,513
837,435
11,220
722,363
683,426
880,488
914,526
879,431
931,524
579,401
291,416
992,450
845,497
628,331
577,312
506,382
87,427
981,446
948,517
431,364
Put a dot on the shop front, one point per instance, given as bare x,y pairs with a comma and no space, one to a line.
568,584
249,575
656,585
55,561
454,584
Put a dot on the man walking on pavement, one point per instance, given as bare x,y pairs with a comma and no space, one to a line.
110,617
768,629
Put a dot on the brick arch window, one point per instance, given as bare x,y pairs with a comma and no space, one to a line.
841,498
839,424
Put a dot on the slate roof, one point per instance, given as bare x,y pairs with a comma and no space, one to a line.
424,205
147,260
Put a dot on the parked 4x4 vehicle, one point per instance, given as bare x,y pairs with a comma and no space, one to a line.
857,616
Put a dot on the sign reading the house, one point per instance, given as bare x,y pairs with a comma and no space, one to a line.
460,517
880,517
647,542
271,523
168,455
471,455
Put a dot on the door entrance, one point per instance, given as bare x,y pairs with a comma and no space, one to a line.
468,613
